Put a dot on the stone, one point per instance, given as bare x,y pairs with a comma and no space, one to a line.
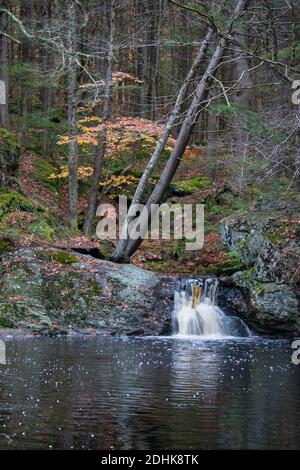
38,293
267,238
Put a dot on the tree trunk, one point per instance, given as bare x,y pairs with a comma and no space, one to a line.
93,194
144,55
46,58
27,46
185,133
242,96
3,71
212,142
72,119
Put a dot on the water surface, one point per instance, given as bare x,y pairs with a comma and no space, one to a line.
149,393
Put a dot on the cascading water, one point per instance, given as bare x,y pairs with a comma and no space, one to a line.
196,312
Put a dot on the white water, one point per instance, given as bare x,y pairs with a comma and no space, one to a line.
196,312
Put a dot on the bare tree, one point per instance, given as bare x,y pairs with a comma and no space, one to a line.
93,194
4,67
71,44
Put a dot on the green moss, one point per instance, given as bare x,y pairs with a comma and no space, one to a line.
248,275
233,261
6,244
272,237
41,229
5,322
95,288
8,138
64,258
10,150
42,171
277,236
233,202
42,224
259,288
9,315
11,200
216,210
194,184
247,279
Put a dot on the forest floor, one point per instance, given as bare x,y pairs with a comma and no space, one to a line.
37,217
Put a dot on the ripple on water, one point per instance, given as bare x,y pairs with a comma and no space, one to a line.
166,392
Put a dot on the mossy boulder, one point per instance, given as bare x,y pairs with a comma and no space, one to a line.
64,257
83,292
20,216
267,240
41,229
12,200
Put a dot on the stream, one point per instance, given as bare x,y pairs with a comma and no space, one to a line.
103,392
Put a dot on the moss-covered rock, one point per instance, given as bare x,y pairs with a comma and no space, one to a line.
268,242
19,216
41,229
35,294
193,185
64,257
12,200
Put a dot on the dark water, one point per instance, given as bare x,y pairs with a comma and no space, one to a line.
139,393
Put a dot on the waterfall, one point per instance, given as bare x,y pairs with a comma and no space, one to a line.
196,312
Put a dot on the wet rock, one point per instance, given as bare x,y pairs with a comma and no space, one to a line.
42,295
268,239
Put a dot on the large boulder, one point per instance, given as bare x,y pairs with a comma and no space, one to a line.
268,240
53,291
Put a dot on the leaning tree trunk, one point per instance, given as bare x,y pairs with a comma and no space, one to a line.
121,247
185,132
93,194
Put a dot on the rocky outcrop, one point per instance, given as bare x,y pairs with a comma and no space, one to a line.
51,291
267,239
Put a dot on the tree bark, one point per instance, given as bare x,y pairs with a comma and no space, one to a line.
3,70
72,119
27,46
242,97
212,141
100,153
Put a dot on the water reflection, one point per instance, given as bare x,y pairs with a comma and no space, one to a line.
149,393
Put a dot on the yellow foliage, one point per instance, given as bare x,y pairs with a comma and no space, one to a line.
83,172
89,119
118,181
64,139
125,136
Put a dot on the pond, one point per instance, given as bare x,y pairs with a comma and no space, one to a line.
102,392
